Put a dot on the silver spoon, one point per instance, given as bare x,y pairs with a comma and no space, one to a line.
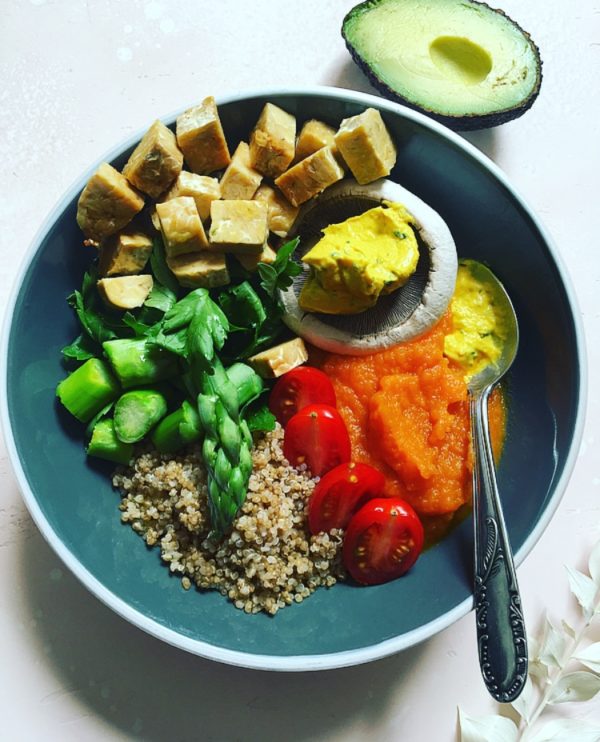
501,637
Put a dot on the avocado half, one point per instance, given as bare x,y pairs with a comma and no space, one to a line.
461,62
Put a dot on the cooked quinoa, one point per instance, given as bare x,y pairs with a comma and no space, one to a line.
268,560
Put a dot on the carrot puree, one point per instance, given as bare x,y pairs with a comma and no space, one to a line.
407,414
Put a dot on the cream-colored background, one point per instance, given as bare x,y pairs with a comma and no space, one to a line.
77,77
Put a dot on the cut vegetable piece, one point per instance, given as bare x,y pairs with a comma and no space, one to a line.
248,384
279,359
239,226
178,429
240,180
88,390
340,493
207,269
181,226
310,176
461,62
202,188
155,162
281,213
136,363
107,203
366,146
297,389
124,254
383,541
201,138
250,262
273,141
137,412
125,292
317,437
104,444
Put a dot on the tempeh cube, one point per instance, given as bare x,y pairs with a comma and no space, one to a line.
201,138
250,262
280,359
107,203
181,227
272,141
310,176
206,269
155,162
202,188
238,226
240,180
124,254
125,292
280,211
366,146
313,135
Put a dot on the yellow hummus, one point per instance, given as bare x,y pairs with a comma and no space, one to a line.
479,325
360,259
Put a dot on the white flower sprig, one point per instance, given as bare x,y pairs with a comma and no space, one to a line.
553,676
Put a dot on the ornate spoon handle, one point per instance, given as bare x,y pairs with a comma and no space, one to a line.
501,635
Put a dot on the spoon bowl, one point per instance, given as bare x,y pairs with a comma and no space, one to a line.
502,642
493,372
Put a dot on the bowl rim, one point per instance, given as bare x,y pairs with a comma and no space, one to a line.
297,662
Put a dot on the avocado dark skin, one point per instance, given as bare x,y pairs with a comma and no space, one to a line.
464,122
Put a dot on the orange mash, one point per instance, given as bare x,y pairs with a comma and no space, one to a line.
407,414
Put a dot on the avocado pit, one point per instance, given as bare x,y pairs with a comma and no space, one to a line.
460,59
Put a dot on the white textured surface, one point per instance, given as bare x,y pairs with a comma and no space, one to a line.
77,77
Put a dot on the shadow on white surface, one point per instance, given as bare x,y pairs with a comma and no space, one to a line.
146,689
348,75
486,140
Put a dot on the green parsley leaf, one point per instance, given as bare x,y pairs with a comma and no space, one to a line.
242,306
160,297
260,418
81,349
159,266
280,274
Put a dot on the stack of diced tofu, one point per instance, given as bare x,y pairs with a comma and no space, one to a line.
202,217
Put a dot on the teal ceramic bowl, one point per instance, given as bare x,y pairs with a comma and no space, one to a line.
75,507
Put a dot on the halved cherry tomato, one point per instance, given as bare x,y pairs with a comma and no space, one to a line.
316,436
340,493
298,388
383,540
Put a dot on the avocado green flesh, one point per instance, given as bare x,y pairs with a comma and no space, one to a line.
451,57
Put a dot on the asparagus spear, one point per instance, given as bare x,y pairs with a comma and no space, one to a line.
104,444
227,446
137,412
88,389
227,439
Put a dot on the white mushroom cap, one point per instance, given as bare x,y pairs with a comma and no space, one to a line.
402,315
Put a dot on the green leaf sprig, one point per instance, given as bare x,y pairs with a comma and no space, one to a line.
254,308
280,275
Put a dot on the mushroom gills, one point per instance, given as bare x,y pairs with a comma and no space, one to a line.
405,313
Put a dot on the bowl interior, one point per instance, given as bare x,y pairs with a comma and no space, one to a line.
79,507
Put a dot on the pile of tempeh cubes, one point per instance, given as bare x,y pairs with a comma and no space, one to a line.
202,217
